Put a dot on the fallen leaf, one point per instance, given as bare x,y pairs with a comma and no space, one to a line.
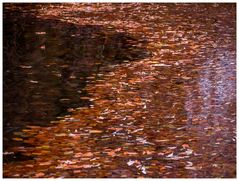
68,153
40,174
77,171
28,165
148,152
45,163
17,139
43,47
130,153
40,32
61,134
185,146
130,162
111,153
161,65
191,168
170,155
95,131
118,149
88,154
143,169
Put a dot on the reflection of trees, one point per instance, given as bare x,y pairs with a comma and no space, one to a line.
45,72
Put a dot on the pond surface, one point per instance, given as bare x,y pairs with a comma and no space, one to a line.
48,63
119,90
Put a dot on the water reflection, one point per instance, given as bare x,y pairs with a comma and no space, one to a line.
47,64
214,91
210,105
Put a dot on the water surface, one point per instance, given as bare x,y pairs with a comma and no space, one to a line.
120,90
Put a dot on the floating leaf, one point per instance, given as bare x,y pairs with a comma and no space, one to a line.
112,153
39,175
130,153
88,154
118,149
143,169
85,98
40,32
61,134
45,163
25,66
17,139
188,152
95,131
130,162
185,146
191,168
68,153
161,65
44,147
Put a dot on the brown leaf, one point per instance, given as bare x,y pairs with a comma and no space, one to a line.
185,146
45,163
40,174
95,131
88,154
111,153
130,153
17,139
118,149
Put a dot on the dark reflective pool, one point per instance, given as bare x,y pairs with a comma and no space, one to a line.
47,64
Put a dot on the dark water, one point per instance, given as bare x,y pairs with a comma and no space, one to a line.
47,64
120,90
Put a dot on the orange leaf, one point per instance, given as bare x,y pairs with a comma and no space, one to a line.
185,146
40,174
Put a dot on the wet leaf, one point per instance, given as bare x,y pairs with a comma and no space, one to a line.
130,153
61,134
39,175
40,32
88,154
185,146
95,131
45,163
68,152
44,147
111,153
130,162
191,168
161,65
17,139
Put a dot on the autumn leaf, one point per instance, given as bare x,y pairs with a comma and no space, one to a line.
95,131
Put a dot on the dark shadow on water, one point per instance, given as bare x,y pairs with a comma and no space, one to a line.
47,63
